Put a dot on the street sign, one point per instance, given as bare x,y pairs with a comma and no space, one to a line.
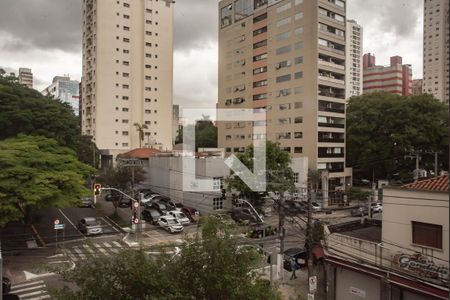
131,162
59,226
136,220
312,284
56,222
136,204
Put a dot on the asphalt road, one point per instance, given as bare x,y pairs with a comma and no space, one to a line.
70,218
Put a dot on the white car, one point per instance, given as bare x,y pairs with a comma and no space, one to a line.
170,224
147,198
377,207
179,216
316,207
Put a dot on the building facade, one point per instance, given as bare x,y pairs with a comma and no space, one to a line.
354,65
66,90
395,78
417,87
403,257
26,77
436,49
127,73
268,63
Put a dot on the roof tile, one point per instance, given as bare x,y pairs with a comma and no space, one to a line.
435,184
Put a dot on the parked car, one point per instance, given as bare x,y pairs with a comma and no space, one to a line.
191,213
316,207
298,254
294,207
170,224
147,198
376,207
359,211
124,202
86,202
170,205
244,214
6,285
159,206
90,226
180,216
151,215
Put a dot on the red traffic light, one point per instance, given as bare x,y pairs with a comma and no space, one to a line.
97,189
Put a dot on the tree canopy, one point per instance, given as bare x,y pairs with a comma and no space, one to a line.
36,173
26,111
205,134
280,176
212,266
383,128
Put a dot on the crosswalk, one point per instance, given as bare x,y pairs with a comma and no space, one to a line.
82,252
31,290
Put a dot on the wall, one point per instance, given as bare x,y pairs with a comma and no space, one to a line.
356,286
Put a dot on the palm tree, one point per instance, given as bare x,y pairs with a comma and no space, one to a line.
140,128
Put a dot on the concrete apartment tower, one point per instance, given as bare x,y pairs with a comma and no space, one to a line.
127,74
66,90
286,57
354,65
26,77
395,78
436,49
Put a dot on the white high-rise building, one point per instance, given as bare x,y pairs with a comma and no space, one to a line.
354,66
66,90
436,49
26,77
127,74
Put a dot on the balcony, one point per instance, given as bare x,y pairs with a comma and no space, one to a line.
331,125
331,107
331,64
331,79
331,140
332,92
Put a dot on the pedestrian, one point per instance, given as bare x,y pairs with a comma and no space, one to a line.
294,267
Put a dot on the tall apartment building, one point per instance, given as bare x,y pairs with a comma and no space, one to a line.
26,77
354,66
395,78
66,90
417,87
127,73
436,49
287,58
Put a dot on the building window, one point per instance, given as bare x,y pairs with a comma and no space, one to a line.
126,5
217,183
260,44
298,75
283,78
124,132
260,83
124,97
428,235
124,109
283,50
125,121
298,120
296,177
217,203
284,21
126,16
260,57
260,70
298,135
124,144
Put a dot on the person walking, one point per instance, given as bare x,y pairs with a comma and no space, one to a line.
294,267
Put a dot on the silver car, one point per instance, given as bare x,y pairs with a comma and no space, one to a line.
90,226
180,216
170,224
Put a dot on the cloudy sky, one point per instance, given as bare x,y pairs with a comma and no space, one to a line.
45,35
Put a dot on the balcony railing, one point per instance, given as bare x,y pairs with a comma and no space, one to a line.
333,125
330,79
330,140
331,64
332,109
325,155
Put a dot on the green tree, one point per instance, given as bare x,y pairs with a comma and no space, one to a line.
121,177
356,194
280,176
212,266
36,173
26,111
140,128
205,134
86,150
383,128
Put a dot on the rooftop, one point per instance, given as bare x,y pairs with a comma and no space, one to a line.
370,230
143,153
435,184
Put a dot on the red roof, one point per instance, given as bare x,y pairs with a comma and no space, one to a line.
436,184
140,153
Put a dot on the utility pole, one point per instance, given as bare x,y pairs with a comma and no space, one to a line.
416,175
281,218
309,232
435,163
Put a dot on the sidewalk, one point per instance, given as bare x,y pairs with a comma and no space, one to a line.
296,288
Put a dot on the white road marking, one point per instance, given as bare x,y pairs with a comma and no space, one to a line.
111,225
26,284
89,249
40,297
79,252
76,228
32,294
108,245
72,257
29,288
103,251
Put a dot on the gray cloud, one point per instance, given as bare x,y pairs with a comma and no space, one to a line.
196,23
45,24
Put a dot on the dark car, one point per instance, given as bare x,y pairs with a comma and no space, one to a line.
6,285
299,255
160,206
241,215
169,203
113,195
191,213
151,215
124,202
359,211
86,202
294,208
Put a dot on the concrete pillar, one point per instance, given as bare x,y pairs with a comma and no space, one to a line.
324,189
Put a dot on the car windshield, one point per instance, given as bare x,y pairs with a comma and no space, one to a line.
180,215
91,222
172,222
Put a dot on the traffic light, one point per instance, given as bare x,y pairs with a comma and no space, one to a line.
97,189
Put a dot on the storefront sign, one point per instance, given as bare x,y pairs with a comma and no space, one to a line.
357,292
421,266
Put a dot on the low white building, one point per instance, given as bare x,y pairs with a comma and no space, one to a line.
405,256
165,176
